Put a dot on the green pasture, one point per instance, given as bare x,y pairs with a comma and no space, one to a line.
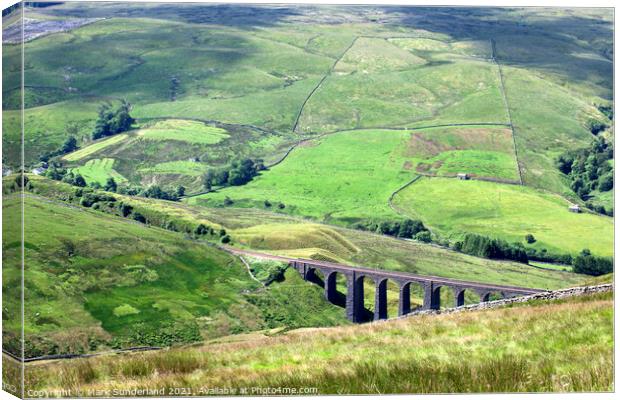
46,128
540,138
95,147
505,211
102,277
183,131
477,150
99,170
358,170
413,97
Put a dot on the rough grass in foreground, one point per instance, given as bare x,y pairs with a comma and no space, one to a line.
562,346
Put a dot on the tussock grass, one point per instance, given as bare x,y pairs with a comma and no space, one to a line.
548,346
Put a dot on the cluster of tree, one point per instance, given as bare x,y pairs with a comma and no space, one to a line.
482,246
586,263
59,173
203,230
589,169
68,146
408,228
545,256
595,126
112,121
74,179
108,203
239,172
156,192
599,208
607,110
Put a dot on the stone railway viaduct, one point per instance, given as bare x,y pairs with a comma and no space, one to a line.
354,298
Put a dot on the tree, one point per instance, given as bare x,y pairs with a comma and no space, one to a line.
110,185
69,145
201,229
79,181
424,236
596,126
110,122
267,203
139,217
606,183
225,239
180,191
530,238
591,265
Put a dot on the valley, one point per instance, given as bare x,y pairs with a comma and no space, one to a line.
178,160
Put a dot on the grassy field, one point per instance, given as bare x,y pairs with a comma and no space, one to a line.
183,131
356,170
99,170
102,281
506,211
561,346
95,147
378,92
371,97
177,167
359,170
540,139
477,150
46,128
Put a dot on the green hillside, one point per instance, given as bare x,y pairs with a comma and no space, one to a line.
560,346
509,212
103,281
321,132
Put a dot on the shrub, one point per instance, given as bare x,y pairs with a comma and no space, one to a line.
424,236
591,265
225,239
201,229
483,246
139,217
529,238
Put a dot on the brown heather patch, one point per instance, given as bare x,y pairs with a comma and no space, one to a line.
429,143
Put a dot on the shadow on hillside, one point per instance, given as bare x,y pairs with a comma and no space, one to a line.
557,41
